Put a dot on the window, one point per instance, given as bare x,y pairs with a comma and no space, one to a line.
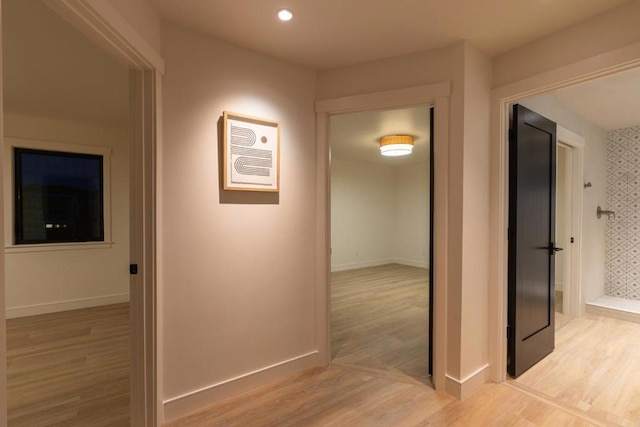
59,197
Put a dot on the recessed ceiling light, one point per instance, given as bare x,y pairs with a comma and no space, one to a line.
285,15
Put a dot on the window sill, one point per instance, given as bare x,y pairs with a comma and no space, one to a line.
47,247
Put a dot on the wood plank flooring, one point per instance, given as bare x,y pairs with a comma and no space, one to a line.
561,320
380,320
592,379
341,396
69,368
595,368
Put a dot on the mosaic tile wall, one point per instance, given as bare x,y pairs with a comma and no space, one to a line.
622,252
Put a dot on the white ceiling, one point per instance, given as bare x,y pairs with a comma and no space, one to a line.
611,102
52,70
356,136
332,33
46,60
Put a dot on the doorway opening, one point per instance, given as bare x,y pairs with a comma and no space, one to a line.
569,189
68,300
596,133
381,246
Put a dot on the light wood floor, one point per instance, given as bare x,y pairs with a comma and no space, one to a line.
595,368
380,320
591,379
69,368
347,396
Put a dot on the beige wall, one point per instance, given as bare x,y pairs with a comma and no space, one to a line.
396,73
595,171
475,215
379,214
600,34
238,268
57,280
142,17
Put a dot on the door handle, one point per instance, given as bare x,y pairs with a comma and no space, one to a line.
553,249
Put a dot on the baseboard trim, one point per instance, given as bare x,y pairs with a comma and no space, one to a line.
461,389
362,264
376,263
412,263
54,307
616,313
189,402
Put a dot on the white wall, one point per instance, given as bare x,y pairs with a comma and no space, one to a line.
595,171
48,281
363,214
379,214
238,267
411,243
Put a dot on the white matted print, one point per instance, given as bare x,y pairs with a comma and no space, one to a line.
251,153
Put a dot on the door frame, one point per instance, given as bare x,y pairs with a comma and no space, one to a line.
566,220
572,294
436,95
102,23
602,65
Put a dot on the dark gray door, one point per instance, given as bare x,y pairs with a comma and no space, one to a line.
532,182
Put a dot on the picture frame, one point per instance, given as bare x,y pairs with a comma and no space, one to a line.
251,153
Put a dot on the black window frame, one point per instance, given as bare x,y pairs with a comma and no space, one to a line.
17,204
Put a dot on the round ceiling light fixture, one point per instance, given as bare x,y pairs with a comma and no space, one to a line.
285,15
396,145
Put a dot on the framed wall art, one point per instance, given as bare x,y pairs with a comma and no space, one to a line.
251,153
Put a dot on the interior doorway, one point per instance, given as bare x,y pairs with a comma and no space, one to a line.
569,188
67,223
143,67
381,242
593,132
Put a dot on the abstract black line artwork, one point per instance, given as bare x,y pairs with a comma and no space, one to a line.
251,153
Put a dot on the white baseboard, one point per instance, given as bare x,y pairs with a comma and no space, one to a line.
185,404
361,264
614,312
376,263
461,389
412,262
54,307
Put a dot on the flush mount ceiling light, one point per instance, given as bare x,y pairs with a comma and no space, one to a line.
396,145
285,15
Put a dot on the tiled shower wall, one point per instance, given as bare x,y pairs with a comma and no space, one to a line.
623,197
